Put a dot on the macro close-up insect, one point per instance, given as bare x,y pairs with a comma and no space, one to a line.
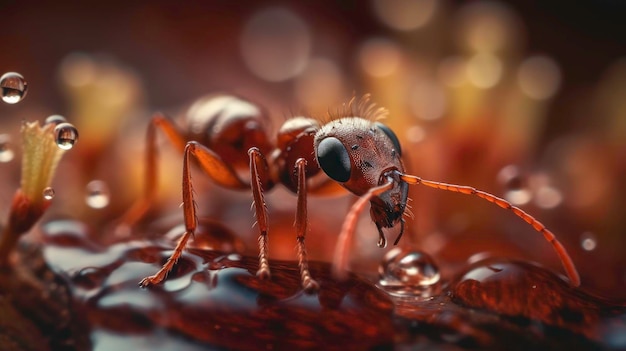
352,149
266,175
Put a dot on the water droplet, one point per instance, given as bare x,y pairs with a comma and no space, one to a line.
98,195
515,184
66,135
55,119
409,273
588,241
6,153
48,193
14,87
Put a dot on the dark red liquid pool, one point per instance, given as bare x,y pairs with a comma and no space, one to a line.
213,300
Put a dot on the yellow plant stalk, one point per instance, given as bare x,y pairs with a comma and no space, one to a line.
40,158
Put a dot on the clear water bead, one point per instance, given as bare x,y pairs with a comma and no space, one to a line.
14,87
98,195
409,274
6,153
55,119
66,135
48,193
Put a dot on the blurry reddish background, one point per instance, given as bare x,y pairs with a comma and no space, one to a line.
451,73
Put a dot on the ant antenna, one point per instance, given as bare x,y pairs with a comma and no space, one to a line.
566,260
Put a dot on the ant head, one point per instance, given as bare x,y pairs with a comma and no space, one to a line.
360,155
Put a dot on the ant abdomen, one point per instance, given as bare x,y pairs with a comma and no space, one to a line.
229,126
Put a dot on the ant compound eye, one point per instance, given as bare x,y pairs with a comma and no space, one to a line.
391,135
333,157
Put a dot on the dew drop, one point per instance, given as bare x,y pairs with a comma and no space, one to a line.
6,153
409,273
55,119
517,192
66,135
98,195
48,193
14,87
588,241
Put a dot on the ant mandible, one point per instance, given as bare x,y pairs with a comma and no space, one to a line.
352,149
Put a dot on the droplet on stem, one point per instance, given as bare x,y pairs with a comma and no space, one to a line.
48,193
98,195
14,87
409,273
66,135
6,153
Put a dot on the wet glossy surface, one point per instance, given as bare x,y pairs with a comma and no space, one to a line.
213,300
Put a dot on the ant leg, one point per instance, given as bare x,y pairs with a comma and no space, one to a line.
142,205
340,260
191,221
301,227
259,175
560,250
218,171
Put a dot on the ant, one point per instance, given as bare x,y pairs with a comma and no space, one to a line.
352,150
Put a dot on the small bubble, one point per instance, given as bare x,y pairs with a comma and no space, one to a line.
408,273
66,135
55,119
6,153
14,87
48,193
588,241
98,195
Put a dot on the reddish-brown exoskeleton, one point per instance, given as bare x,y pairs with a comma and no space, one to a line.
352,150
